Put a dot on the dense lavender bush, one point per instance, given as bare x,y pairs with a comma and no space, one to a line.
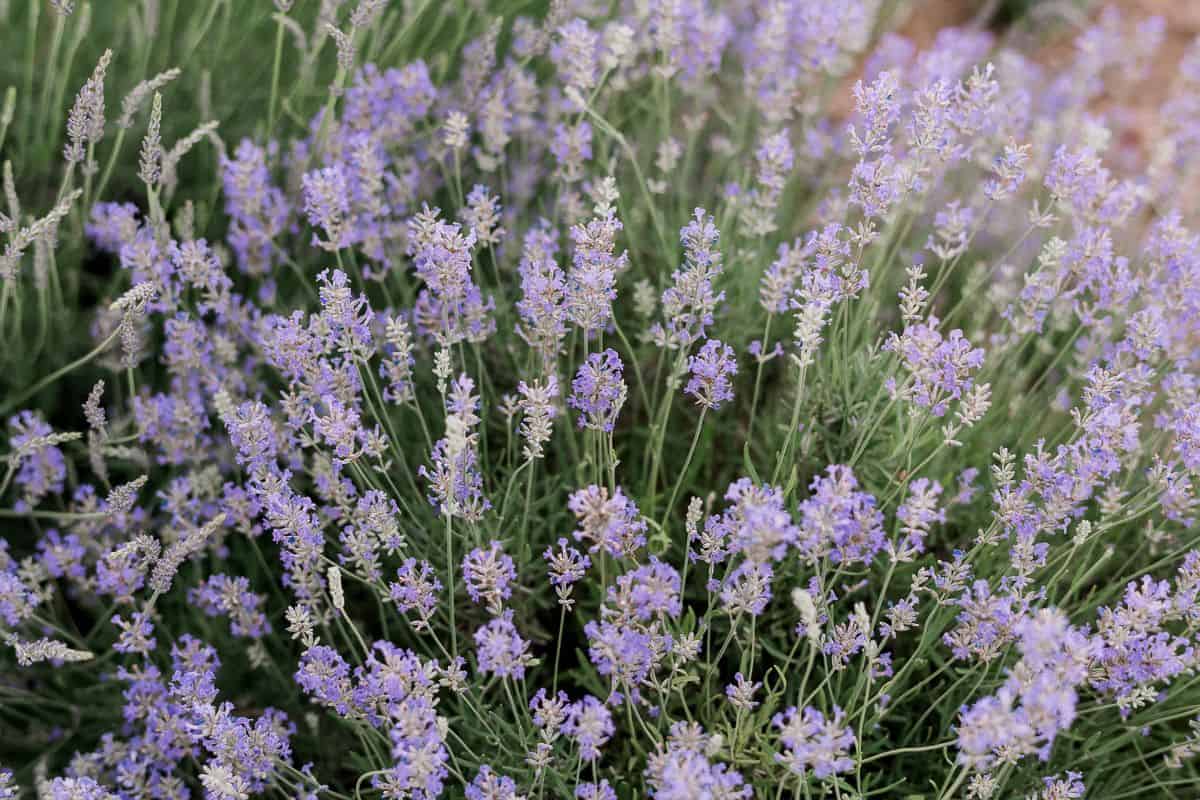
686,399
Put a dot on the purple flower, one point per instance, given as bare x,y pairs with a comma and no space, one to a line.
589,724
591,283
451,308
396,366
741,693
393,675
77,789
757,524
419,752
325,675
1136,649
941,368
575,55
839,521
917,514
137,633
539,407
790,47
747,589
986,623
990,726
456,484
348,316
595,791
259,211
688,304
966,486
598,391
500,649
566,566
1037,701
416,588
543,295
811,741
62,556
442,255
189,654
1086,189
17,600
390,102
611,523
626,654
549,712
683,770
774,159
488,573
648,591
1059,788
571,147
711,370
482,214
221,595
327,205
40,463
340,429
489,785
704,35
112,226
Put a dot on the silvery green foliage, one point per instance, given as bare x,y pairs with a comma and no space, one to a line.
686,400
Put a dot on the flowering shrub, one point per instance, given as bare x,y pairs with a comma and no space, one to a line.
585,402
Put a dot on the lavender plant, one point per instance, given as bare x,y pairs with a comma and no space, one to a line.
683,399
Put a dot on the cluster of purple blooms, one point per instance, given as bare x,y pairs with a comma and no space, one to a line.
359,487
711,372
1037,701
598,391
174,719
812,741
683,768
940,367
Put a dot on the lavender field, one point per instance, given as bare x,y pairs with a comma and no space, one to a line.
677,399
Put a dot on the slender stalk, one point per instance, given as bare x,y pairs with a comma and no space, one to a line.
275,65
687,462
17,400
450,580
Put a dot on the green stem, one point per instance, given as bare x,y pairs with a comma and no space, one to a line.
13,402
275,78
687,462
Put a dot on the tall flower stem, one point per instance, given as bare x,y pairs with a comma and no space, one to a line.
687,462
